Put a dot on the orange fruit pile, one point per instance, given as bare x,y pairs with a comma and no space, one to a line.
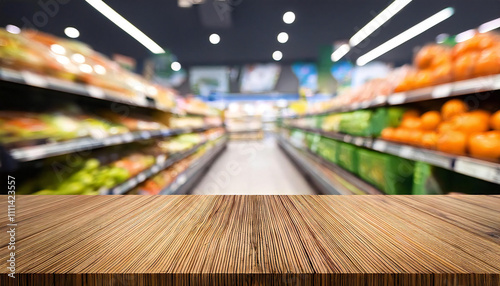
435,64
454,129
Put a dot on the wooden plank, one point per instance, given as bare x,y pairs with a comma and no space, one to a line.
251,240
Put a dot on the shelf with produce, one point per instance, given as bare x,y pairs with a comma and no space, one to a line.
37,152
329,177
476,168
470,86
31,79
162,163
46,82
245,131
190,175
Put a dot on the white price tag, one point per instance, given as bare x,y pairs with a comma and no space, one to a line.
380,145
34,79
440,91
181,179
155,169
145,135
405,151
397,98
496,83
141,177
161,159
365,104
128,137
95,91
355,106
141,100
379,100
478,170
358,141
347,138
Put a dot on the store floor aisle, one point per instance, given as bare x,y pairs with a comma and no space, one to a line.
253,168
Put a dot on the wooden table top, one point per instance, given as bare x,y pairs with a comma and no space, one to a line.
248,240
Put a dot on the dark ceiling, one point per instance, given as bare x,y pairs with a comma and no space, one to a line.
251,33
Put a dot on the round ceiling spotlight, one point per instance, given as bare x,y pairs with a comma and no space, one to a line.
289,17
282,37
277,55
176,66
13,29
72,32
214,39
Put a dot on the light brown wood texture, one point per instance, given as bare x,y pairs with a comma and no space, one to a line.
253,240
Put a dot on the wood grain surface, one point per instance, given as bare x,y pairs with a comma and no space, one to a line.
252,240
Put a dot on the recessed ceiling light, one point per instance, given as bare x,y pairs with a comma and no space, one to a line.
13,29
282,37
489,26
126,26
406,35
72,32
289,17
340,52
214,39
277,55
176,66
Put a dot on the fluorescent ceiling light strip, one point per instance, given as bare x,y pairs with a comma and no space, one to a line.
125,25
489,26
371,27
378,21
464,36
406,35
340,52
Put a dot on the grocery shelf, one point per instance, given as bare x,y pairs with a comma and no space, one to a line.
162,162
334,180
464,87
31,153
476,168
50,83
186,179
245,131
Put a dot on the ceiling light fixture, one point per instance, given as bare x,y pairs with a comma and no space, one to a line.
125,25
464,36
277,56
13,29
489,26
378,21
72,32
441,38
406,35
340,52
289,17
214,39
282,37
176,66
371,27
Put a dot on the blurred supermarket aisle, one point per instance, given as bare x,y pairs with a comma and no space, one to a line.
253,168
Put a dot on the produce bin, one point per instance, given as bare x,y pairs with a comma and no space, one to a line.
347,157
356,123
328,149
391,174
